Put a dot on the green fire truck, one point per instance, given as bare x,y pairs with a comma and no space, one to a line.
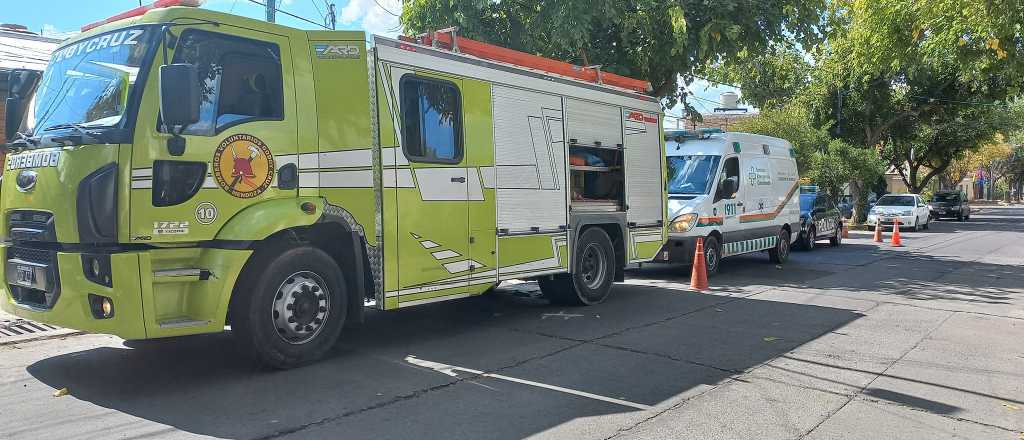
179,171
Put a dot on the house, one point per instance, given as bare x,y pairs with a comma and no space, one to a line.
20,49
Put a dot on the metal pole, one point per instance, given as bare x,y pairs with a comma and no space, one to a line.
332,17
271,10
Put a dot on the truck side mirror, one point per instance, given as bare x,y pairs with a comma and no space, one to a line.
21,84
179,95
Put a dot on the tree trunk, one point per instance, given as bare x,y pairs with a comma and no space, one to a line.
860,201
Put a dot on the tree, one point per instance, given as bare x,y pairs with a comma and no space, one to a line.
839,163
946,133
662,41
969,163
896,76
768,80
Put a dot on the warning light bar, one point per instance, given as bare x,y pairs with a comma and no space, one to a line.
158,4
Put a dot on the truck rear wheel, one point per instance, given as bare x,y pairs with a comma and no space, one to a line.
780,253
593,271
289,306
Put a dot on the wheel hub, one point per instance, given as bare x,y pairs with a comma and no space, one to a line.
593,266
301,307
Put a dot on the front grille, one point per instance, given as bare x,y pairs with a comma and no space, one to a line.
31,255
40,298
28,225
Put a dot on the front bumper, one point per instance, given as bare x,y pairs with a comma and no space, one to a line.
905,220
146,304
71,309
677,250
944,212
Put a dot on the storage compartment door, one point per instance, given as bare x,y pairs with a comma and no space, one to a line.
643,163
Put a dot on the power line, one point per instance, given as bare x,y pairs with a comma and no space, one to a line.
717,82
297,17
386,9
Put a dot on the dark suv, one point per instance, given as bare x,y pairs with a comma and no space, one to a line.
950,204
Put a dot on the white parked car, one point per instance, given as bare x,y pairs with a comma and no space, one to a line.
909,208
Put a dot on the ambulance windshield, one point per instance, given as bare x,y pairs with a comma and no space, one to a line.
87,84
691,174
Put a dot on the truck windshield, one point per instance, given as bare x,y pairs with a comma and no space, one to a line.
87,84
691,174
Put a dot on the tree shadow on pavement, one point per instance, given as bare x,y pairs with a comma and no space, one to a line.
645,345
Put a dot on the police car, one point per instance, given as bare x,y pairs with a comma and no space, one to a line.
820,219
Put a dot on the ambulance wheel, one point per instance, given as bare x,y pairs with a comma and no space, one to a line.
289,306
780,253
807,241
593,271
712,255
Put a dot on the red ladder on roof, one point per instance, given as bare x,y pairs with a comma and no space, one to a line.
447,39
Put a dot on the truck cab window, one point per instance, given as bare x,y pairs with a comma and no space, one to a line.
431,120
240,79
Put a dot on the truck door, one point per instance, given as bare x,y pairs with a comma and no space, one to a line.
233,156
433,217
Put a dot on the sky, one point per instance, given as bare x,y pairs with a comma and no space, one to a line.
62,18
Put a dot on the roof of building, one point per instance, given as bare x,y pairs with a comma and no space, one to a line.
24,50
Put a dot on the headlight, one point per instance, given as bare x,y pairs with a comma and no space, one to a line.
683,223
907,212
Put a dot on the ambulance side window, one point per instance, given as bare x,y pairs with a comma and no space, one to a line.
240,80
431,120
730,170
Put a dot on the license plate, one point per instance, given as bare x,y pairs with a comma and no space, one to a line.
26,275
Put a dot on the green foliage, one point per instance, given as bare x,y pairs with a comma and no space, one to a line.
768,79
839,163
657,40
920,81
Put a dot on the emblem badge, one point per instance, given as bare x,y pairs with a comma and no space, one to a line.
243,166
26,180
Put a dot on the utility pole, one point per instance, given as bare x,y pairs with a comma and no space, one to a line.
332,17
271,10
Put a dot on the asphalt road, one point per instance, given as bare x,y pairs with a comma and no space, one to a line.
863,341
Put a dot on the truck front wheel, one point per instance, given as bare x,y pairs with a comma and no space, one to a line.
289,306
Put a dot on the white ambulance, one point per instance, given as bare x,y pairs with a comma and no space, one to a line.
736,190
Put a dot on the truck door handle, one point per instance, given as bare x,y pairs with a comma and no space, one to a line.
458,180
739,204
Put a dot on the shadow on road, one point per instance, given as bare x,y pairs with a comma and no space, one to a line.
634,348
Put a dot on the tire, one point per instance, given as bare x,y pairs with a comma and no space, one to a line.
780,253
808,239
837,239
593,272
712,255
282,289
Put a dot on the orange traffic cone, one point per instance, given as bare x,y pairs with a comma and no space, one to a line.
699,273
846,231
896,242
878,231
